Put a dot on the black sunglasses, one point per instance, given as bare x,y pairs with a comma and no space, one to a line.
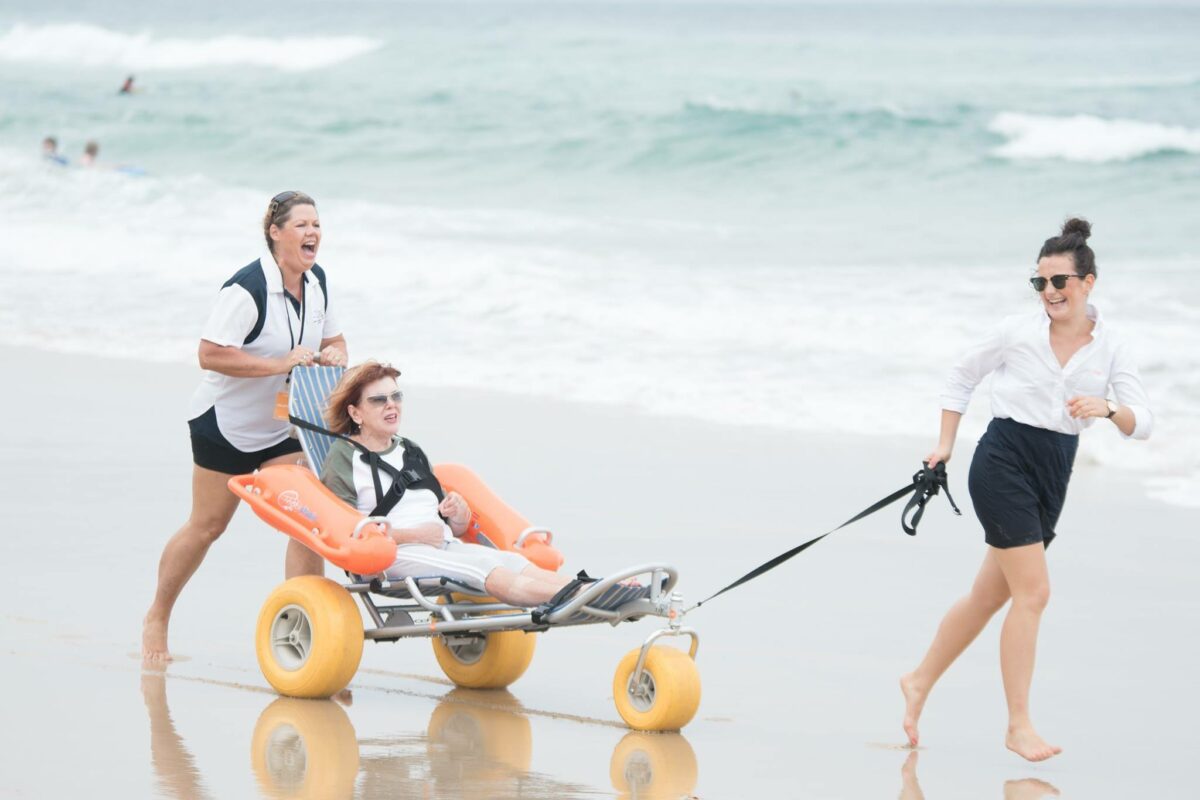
381,400
1059,281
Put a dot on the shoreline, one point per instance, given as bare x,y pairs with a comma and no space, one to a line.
557,407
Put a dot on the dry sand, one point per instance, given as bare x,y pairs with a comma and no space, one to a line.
799,667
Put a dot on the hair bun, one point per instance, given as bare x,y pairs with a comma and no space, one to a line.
1078,226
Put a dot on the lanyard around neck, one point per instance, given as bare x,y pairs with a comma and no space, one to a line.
287,311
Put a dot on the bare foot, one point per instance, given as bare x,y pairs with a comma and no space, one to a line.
1026,743
914,701
910,789
154,641
1029,789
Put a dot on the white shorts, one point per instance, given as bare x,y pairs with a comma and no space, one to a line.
468,564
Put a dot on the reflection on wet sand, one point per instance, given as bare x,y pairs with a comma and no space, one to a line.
653,766
1029,789
910,789
174,767
303,749
477,743
1020,789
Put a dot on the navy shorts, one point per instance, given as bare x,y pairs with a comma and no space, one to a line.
211,450
1018,482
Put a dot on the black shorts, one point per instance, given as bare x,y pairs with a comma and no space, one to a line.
1018,482
211,450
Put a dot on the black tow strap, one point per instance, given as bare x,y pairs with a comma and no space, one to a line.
925,484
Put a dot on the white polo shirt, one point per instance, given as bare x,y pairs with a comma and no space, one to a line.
252,305
1030,386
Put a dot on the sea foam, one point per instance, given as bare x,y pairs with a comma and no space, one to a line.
90,45
1086,138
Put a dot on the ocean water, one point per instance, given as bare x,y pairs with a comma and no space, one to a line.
784,214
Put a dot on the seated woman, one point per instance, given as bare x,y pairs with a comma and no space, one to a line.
425,522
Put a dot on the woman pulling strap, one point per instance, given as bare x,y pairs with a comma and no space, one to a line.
271,316
1054,372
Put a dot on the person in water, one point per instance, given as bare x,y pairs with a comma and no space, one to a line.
127,86
426,523
90,151
1055,372
50,152
272,316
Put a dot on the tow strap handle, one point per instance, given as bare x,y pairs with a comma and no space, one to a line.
925,484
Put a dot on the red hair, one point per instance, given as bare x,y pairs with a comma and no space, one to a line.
349,391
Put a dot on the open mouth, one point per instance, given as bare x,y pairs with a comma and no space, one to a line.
309,248
391,417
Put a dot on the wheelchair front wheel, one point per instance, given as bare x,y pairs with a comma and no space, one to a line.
667,694
309,637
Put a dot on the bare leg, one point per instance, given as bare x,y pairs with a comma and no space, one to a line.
546,576
1029,580
962,623
299,560
519,589
212,508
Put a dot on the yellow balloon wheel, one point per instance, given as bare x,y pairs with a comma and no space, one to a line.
482,732
653,765
309,638
484,661
304,749
668,693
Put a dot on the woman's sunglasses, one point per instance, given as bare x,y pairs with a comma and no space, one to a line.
1059,281
381,400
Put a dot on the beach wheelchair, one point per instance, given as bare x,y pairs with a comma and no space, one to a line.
310,634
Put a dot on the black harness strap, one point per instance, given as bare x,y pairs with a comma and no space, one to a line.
416,472
925,484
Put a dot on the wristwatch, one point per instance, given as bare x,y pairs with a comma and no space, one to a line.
1112,408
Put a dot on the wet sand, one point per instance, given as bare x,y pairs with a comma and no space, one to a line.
799,667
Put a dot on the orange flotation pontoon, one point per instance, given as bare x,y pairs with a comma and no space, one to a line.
494,522
293,500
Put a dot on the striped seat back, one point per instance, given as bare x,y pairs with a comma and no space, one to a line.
310,391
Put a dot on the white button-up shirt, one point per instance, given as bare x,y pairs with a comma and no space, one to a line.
1030,386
